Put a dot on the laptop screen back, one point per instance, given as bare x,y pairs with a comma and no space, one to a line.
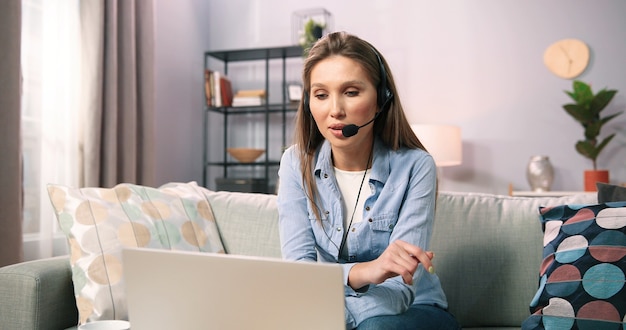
192,290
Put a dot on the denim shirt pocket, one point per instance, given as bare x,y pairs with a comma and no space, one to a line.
324,234
381,228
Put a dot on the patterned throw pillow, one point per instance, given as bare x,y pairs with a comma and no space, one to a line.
100,222
582,276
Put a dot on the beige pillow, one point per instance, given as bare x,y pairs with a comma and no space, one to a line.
99,222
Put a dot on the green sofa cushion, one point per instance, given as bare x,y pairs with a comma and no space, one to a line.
247,222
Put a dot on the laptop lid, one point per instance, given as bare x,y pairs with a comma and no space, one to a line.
192,290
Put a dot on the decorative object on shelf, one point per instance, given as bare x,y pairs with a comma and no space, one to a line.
245,155
294,92
540,173
586,110
443,142
308,25
567,58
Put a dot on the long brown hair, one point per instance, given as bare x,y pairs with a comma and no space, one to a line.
391,126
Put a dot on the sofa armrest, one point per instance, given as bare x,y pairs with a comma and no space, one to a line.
37,295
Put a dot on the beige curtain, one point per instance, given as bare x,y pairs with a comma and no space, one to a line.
118,75
10,146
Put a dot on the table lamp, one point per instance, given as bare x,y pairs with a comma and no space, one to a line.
443,142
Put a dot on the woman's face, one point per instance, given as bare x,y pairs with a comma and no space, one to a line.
342,94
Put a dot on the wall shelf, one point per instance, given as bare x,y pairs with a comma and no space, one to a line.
263,113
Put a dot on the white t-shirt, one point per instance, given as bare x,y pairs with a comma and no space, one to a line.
349,184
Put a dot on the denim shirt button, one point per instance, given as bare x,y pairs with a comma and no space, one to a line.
390,226
326,212
367,208
338,228
353,229
325,176
370,220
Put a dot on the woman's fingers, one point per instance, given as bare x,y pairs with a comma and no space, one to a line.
399,259
409,257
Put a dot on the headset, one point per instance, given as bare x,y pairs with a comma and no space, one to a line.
384,93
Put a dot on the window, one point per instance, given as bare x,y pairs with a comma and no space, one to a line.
50,117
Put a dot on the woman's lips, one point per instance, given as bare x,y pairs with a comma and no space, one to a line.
336,130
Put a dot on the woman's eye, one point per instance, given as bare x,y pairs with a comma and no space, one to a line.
352,93
321,96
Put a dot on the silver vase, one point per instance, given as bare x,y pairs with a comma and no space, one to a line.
540,173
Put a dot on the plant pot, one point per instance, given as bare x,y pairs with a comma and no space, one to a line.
593,176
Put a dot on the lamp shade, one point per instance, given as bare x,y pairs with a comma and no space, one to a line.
443,142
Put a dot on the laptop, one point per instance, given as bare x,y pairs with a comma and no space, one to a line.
193,290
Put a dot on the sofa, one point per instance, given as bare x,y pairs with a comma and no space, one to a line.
488,253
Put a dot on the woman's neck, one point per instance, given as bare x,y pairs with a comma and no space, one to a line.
354,159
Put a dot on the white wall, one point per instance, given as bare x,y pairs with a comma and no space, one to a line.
181,40
475,64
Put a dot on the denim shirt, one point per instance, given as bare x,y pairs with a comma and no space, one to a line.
401,206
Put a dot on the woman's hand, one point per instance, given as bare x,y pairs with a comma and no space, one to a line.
400,258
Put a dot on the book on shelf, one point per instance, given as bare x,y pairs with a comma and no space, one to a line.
249,97
208,78
251,92
218,89
226,92
248,101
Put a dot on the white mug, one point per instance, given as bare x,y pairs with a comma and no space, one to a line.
106,325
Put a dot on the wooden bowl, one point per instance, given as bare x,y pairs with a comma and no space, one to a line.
245,155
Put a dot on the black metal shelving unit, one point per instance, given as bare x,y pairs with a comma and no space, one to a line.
282,108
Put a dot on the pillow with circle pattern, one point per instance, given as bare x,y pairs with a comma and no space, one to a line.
582,275
100,222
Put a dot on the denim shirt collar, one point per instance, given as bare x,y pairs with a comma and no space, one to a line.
380,162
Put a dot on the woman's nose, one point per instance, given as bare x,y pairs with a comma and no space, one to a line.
336,110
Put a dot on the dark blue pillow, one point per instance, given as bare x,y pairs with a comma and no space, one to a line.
582,279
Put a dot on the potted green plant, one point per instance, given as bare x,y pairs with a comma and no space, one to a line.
312,32
586,110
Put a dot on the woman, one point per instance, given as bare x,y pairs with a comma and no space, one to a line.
358,188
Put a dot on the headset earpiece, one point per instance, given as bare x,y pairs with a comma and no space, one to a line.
305,104
385,95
